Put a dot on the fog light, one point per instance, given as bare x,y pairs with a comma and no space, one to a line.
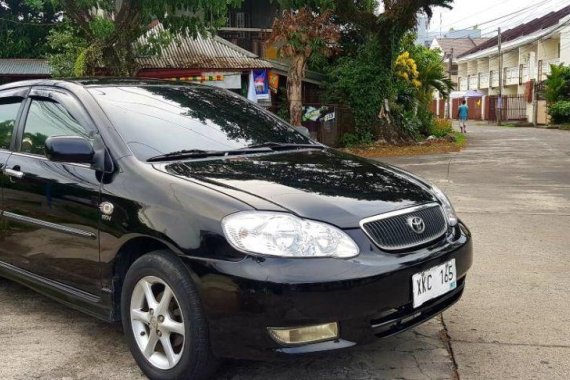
302,335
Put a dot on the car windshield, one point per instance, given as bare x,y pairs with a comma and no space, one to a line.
158,120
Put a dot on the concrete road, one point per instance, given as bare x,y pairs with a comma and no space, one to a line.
512,187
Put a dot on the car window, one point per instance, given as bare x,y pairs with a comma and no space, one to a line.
155,120
8,113
45,119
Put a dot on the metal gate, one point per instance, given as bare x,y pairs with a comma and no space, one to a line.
513,108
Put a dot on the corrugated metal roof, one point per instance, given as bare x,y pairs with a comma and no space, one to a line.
204,53
532,27
459,45
22,66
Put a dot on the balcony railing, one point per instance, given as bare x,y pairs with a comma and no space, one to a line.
544,67
483,80
463,84
494,79
511,76
525,73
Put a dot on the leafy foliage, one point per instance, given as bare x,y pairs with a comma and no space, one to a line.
363,85
557,84
365,77
105,31
560,112
66,49
441,128
24,28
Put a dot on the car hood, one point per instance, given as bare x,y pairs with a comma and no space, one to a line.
326,185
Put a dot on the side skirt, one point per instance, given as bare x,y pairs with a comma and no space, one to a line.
72,297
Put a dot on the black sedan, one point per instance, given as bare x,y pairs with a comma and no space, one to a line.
212,228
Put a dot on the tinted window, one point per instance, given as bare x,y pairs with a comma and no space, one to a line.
46,119
8,112
154,120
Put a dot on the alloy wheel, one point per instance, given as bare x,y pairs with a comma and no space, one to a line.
157,322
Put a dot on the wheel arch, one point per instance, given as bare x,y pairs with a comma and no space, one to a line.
127,254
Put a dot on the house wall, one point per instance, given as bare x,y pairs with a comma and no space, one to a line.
565,45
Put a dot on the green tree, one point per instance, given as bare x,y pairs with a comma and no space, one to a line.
105,32
24,28
383,34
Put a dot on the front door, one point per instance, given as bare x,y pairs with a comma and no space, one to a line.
51,208
10,106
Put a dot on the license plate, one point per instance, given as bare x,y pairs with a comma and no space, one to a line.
434,282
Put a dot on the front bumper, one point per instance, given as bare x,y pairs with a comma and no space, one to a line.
369,296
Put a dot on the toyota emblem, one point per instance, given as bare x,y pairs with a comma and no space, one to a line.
417,224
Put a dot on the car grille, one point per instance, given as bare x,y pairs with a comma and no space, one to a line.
392,231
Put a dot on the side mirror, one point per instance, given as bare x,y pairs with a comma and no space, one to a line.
73,149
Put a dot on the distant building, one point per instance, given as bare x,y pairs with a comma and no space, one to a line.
250,25
474,34
451,48
528,50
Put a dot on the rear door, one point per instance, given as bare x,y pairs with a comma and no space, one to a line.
11,105
50,208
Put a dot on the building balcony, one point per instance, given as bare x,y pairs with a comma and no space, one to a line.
484,80
463,84
494,79
525,73
472,82
511,76
544,67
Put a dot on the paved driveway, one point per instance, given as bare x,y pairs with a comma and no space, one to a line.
512,187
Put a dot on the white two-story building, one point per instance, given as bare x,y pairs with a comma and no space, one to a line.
528,50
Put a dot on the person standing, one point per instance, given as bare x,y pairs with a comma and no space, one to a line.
463,115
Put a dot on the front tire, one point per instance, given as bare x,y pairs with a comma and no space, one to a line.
163,319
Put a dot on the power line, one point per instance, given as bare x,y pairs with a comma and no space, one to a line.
511,16
503,18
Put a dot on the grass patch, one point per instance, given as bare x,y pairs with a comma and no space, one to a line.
460,139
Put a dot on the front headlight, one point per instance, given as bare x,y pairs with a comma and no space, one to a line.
285,235
446,204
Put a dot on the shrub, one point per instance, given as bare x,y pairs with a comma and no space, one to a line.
426,119
560,112
349,139
557,85
440,127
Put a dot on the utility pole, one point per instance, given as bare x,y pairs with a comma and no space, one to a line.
500,100
448,101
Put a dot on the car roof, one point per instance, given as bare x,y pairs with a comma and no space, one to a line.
92,82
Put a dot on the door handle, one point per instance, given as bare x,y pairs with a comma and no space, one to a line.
13,173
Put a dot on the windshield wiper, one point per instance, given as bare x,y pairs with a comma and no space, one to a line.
190,153
198,153
255,148
284,146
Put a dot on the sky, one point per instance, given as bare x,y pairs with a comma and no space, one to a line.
488,15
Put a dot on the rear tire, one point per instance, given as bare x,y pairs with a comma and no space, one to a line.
164,321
